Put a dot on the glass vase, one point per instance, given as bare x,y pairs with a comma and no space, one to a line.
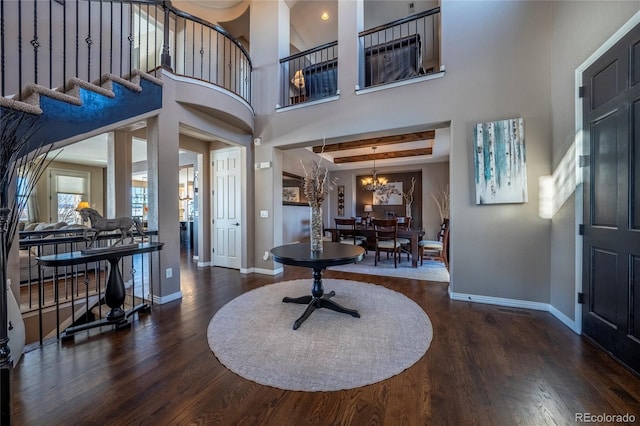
316,228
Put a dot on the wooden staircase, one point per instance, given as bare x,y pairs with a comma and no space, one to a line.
81,107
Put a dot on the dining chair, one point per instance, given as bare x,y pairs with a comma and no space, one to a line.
404,222
348,234
436,249
386,232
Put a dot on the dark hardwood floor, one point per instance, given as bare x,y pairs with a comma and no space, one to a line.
486,365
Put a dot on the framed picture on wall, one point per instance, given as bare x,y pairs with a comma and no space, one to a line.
291,194
392,196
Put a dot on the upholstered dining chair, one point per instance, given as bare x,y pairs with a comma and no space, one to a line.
436,249
404,222
348,235
386,232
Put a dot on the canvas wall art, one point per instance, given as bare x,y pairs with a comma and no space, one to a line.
391,196
500,162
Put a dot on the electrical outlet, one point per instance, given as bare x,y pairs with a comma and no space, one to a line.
411,7
168,273
266,256
264,213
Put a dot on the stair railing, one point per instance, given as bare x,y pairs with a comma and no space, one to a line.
49,42
51,299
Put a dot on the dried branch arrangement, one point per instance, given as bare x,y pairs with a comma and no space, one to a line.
316,185
441,197
16,130
408,196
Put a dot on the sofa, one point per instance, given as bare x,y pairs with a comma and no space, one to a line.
43,239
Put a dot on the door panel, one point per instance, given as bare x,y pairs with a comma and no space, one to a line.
605,84
605,171
635,284
635,168
611,243
603,300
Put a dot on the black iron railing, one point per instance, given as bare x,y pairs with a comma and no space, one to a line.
52,299
400,50
48,42
309,75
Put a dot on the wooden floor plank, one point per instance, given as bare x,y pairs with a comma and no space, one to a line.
486,365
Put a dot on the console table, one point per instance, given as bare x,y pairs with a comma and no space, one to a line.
300,254
114,294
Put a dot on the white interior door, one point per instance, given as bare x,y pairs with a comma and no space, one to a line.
227,207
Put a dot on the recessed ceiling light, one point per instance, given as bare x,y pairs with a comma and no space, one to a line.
324,16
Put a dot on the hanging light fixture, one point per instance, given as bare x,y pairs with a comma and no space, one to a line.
374,183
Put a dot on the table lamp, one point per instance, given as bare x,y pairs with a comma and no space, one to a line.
81,205
368,208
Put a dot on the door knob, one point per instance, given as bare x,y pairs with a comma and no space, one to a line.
236,224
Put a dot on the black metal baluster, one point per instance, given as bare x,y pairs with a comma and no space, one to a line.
89,41
131,39
19,91
121,40
77,39
184,46
111,39
64,42
51,43
202,52
217,56
100,46
2,47
193,49
210,55
139,9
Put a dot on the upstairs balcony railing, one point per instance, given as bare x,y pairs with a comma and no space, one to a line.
49,42
309,75
400,50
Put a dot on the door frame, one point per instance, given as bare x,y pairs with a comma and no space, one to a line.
581,149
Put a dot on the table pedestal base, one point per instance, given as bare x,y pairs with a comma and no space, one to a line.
314,303
119,323
317,300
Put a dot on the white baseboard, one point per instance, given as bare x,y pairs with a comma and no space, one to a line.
161,300
264,271
196,258
515,303
573,325
203,264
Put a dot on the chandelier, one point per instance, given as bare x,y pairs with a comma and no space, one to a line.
374,183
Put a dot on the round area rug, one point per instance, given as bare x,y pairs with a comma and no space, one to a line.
253,336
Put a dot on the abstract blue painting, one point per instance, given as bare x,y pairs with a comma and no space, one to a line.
500,162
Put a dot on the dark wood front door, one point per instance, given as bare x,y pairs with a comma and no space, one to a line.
611,274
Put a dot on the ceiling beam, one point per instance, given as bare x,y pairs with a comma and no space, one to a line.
385,140
383,155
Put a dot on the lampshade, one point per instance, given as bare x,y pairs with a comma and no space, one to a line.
368,208
298,79
83,205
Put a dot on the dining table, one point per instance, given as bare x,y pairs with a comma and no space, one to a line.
413,235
